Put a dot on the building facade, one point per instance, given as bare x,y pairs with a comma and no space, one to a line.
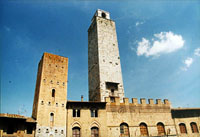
107,113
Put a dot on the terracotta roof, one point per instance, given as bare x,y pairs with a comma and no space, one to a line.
28,119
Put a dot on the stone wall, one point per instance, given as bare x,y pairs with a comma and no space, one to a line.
103,58
50,98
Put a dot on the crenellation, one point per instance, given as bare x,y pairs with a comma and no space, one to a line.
126,101
135,101
143,101
166,102
159,102
151,101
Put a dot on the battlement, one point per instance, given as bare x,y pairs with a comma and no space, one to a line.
143,102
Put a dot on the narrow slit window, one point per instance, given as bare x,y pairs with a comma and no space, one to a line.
51,117
76,112
94,113
53,93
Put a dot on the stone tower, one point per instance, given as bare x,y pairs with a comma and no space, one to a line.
49,107
104,68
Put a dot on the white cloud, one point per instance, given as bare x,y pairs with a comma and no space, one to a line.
197,52
188,62
139,23
164,42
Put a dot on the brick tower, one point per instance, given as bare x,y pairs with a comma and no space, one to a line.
49,107
104,68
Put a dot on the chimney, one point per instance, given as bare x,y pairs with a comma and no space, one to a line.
81,98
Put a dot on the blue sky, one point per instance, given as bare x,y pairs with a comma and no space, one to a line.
159,48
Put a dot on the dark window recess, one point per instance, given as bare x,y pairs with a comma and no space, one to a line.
111,85
56,104
103,15
39,130
53,93
183,129
62,131
112,92
63,105
49,103
76,113
76,132
29,129
194,127
56,131
47,130
42,102
94,113
112,99
10,130
95,132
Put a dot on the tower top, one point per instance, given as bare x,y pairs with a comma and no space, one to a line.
102,13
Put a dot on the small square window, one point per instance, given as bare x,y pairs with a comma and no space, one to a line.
56,104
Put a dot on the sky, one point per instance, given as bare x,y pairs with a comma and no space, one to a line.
159,46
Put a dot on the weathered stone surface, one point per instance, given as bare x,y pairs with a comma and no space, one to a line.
103,59
52,75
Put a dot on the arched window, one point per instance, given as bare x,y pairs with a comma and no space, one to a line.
76,132
94,132
103,15
124,131
51,117
161,129
53,93
194,127
143,129
182,128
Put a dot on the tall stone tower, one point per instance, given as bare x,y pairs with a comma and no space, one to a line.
49,107
105,77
